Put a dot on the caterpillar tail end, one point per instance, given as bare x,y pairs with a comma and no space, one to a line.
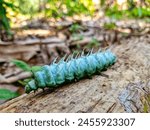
30,86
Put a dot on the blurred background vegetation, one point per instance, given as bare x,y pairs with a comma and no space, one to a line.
16,15
14,10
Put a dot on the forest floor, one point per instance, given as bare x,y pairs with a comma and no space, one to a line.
39,44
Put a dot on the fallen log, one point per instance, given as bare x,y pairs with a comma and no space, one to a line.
84,96
99,94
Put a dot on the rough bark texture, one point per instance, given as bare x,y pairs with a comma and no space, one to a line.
99,94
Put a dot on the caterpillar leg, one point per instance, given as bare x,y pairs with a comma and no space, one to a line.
76,80
98,72
43,89
104,75
34,91
90,77
30,86
104,69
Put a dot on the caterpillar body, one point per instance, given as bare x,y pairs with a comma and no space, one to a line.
67,71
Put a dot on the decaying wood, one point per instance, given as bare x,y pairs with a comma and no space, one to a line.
15,78
99,94
27,49
136,97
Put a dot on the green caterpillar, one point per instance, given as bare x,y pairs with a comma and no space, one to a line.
67,71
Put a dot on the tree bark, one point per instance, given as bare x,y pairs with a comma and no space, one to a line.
99,94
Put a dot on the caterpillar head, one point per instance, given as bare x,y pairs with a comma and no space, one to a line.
30,86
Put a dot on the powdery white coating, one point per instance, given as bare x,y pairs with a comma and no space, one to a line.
63,72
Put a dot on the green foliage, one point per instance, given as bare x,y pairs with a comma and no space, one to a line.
75,28
63,8
35,68
6,94
140,12
3,15
114,12
24,66
136,12
25,81
145,109
102,2
21,64
77,36
28,7
93,43
76,52
146,104
43,8
109,26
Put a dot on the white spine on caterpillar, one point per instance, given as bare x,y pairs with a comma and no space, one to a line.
67,71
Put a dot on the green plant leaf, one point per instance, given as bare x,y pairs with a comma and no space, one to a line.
22,65
139,12
6,94
25,81
75,27
109,26
93,43
145,109
3,17
36,68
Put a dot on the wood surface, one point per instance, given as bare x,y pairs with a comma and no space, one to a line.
99,94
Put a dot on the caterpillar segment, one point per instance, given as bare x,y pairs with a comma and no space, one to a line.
68,71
